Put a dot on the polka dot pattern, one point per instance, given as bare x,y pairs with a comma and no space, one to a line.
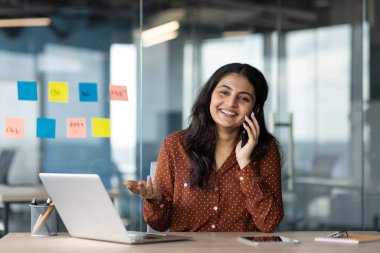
247,199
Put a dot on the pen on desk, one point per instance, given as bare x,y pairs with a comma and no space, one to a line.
43,218
34,202
47,203
338,234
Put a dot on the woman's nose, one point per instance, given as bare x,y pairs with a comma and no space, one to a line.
231,101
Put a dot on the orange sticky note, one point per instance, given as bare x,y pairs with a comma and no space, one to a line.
14,128
76,128
58,92
118,92
101,127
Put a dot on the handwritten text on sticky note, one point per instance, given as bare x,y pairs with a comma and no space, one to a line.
14,128
101,127
76,127
88,92
118,92
58,92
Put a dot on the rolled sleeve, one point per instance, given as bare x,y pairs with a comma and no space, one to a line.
156,215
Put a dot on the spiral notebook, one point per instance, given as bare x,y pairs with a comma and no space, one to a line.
351,239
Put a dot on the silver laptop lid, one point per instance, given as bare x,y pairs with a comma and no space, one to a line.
85,206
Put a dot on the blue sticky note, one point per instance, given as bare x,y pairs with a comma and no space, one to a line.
88,92
45,128
27,90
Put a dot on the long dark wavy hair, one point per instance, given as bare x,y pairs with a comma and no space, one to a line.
200,137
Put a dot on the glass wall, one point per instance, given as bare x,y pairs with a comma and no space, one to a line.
74,45
320,59
323,95
316,56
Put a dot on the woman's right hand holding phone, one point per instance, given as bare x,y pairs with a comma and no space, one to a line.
252,128
145,189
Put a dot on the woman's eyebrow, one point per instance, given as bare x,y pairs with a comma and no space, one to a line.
228,87
224,86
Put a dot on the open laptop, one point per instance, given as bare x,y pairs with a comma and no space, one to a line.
87,211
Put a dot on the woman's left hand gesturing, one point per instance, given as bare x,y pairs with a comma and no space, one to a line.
243,154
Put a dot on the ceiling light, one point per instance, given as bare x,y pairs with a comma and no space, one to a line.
24,22
160,39
234,34
159,34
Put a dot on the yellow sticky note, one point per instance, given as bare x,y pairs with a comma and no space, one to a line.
101,127
14,128
58,92
76,127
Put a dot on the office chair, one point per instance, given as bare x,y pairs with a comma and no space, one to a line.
152,173
6,158
152,169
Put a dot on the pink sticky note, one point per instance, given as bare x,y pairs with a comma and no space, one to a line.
118,92
76,127
14,128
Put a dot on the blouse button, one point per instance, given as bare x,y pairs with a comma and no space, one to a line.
185,184
215,208
241,178
213,226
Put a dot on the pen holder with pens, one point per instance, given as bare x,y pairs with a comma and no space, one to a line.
43,219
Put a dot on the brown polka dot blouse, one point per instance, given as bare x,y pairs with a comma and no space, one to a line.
247,199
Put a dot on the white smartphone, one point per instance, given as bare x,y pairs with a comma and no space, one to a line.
256,240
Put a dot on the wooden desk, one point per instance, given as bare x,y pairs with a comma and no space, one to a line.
203,242
24,194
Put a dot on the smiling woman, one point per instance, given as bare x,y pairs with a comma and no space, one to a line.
206,178
231,101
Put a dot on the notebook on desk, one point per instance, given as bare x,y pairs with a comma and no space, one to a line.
88,212
350,238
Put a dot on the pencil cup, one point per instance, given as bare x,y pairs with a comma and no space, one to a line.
43,220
